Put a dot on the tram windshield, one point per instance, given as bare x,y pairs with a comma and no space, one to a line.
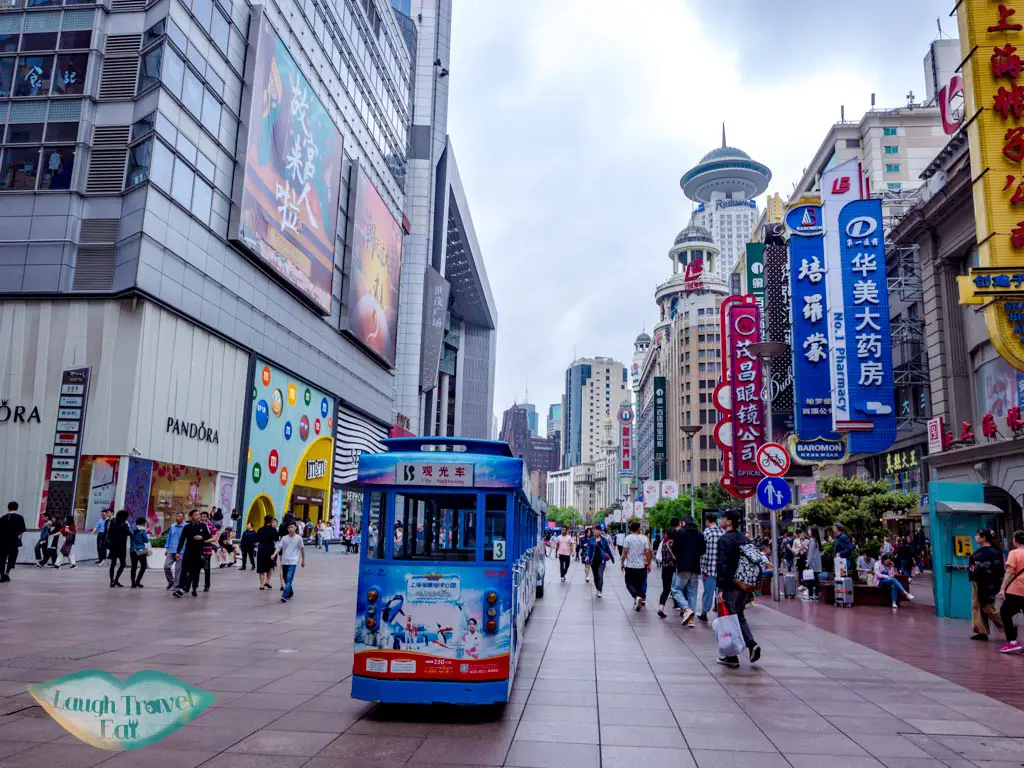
435,526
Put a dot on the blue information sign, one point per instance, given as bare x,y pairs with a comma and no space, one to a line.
774,493
812,387
872,396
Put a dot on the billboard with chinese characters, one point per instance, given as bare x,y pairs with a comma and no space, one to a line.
812,387
992,43
865,311
839,186
375,273
754,263
660,445
740,430
287,212
625,440
436,291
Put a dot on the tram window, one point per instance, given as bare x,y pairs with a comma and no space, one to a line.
435,527
377,525
495,515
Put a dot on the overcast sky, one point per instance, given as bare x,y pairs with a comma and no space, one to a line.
573,120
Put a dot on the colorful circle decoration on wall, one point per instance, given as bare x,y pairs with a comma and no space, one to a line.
284,475
248,457
287,430
262,414
292,392
316,426
257,472
324,408
307,396
303,428
265,376
276,402
272,462
330,423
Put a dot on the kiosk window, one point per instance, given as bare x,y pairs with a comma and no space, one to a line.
434,527
376,521
495,517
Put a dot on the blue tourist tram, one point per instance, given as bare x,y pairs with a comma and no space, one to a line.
450,566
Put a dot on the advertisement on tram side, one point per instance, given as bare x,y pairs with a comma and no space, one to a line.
431,623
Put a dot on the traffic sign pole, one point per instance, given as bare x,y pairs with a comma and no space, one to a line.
767,388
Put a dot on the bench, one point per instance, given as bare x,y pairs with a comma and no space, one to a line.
863,594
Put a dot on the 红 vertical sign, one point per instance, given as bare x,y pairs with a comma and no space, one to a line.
839,186
660,453
815,441
872,397
67,441
625,440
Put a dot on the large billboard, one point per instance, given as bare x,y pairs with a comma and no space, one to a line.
992,44
374,276
436,291
288,207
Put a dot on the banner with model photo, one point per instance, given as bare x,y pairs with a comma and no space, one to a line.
376,269
288,210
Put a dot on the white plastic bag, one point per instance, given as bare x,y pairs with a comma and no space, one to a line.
807,575
730,637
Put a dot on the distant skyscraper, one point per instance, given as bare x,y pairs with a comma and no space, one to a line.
539,453
554,419
725,183
532,420
594,388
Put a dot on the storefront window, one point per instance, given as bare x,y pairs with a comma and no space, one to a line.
6,75
70,78
178,488
19,168
57,167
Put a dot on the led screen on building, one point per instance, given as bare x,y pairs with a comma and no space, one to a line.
375,272
288,211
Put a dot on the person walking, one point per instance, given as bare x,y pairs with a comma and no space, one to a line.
211,539
588,536
731,547
563,548
599,554
43,543
293,555
812,562
68,534
118,534
172,560
248,546
798,550
12,526
843,548
709,564
140,552
190,547
620,541
53,547
101,537
266,539
1012,593
668,570
688,546
985,571
635,564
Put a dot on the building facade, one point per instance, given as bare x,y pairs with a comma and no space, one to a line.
202,225
554,422
573,487
594,388
540,454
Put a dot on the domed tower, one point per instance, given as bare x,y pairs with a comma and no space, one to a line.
640,348
695,270
724,184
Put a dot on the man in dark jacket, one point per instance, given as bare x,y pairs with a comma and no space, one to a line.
843,547
599,554
687,546
12,526
194,536
734,598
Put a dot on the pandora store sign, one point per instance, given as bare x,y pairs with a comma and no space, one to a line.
192,430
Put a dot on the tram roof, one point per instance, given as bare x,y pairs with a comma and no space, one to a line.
428,444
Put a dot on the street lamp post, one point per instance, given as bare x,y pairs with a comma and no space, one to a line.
766,351
691,430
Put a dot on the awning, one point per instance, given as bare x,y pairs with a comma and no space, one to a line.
967,507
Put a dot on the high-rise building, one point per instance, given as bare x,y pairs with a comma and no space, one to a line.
201,211
447,326
594,388
532,420
554,424
540,454
724,184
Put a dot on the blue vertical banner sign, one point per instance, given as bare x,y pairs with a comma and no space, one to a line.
872,397
815,441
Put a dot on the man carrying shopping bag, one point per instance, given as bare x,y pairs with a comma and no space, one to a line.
739,573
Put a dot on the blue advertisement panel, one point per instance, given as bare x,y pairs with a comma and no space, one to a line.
815,440
872,397
449,470
428,623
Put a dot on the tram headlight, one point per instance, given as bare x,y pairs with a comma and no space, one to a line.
492,597
371,622
372,595
491,626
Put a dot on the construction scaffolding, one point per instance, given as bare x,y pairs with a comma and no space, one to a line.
910,359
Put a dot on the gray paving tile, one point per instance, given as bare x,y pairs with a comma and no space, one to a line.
647,757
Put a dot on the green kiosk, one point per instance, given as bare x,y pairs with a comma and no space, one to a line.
957,511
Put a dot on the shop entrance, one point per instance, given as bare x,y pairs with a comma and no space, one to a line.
308,503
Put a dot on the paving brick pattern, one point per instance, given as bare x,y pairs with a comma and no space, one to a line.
598,685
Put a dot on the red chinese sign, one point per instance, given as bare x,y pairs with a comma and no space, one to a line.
741,430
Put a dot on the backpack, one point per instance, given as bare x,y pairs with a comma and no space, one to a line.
748,569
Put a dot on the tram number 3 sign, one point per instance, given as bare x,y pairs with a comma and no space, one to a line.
773,459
